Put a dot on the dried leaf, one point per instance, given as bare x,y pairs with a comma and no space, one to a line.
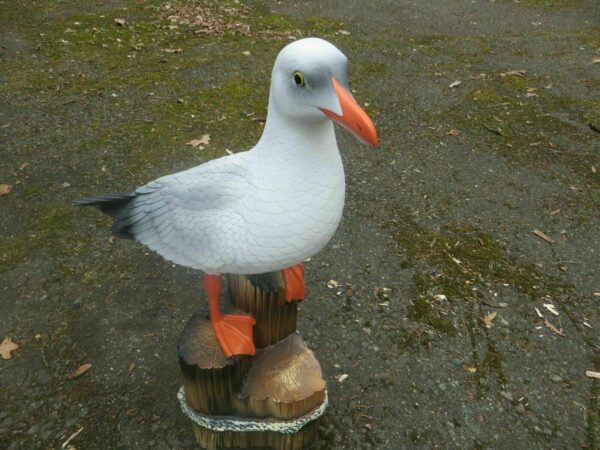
80,371
550,307
531,92
131,367
172,50
592,374
120,22
332,284
453,132
596,61
469,369
23,165
539,313
5,189
246,53
521,73
66,184
7,347
488,319
342,377
455,84
553,328
204,140
211,19
543,235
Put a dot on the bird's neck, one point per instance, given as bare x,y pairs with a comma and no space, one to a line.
296,137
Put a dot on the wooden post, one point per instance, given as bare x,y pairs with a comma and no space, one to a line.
273,399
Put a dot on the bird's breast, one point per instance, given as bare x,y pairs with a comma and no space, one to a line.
295,208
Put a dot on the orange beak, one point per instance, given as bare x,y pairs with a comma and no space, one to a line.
353,118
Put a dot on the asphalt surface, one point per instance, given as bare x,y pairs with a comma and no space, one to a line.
456,324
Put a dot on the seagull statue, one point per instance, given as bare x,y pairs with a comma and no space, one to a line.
263,210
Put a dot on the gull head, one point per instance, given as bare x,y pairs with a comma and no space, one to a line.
310,84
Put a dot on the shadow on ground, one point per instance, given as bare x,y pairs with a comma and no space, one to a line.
489,119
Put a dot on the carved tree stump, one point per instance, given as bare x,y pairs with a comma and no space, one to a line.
275,318
271,400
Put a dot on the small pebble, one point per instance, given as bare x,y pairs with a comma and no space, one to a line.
556,378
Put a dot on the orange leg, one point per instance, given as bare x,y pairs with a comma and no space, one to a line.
293,279
234,331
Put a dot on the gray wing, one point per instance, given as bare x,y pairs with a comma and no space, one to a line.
193,217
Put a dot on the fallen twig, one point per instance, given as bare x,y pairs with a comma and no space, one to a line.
554,329
493,130
44,357
543,235
73,436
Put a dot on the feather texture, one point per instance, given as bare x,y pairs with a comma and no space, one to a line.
257,211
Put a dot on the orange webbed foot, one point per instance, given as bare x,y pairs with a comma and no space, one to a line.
234,333
293,279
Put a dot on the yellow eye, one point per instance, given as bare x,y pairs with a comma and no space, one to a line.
299,79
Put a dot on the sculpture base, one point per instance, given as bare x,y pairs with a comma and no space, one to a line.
271,400
224,432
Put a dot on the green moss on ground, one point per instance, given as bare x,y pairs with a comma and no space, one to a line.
465,257
421,310
522,119
461,260
493,361
52,227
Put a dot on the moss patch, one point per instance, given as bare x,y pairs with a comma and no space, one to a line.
461,260
493,361
465,257
423,311
526,123
50,228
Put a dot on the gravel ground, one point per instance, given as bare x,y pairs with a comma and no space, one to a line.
489,120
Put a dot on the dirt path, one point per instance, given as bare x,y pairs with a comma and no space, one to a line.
438,231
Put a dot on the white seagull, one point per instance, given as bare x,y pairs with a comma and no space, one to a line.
262,210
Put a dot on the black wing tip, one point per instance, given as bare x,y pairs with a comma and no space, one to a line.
122,233
269,283
113,205
83,202
107,199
